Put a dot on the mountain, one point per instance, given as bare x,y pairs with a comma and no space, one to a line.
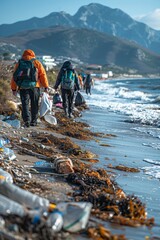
90,46
97,17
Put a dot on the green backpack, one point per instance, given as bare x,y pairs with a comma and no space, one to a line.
68,79
26,74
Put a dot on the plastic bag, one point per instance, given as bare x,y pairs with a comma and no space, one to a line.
45,105
50,119
57,98
75,215
79,99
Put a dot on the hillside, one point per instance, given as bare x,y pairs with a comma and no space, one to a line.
89,46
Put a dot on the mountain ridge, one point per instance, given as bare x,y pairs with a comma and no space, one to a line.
90,46
97,17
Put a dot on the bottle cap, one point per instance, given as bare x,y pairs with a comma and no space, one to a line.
2,177
51,207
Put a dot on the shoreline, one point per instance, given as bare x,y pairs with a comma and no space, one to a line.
44,132
127,149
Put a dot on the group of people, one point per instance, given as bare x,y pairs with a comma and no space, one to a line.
29,76
86,82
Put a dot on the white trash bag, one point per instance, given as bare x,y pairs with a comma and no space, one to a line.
45,105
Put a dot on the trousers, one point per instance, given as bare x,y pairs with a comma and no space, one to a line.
67,98
30,104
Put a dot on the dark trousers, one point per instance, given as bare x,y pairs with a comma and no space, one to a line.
88,89
67,98
30,104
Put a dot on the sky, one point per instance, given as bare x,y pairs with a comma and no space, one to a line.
147,11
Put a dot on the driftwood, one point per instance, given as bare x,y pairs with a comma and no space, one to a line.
30,152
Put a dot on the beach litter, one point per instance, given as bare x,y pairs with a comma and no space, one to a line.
94,187
50,119
38,211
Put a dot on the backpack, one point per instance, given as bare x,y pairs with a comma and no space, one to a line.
68,79
26,74
88,80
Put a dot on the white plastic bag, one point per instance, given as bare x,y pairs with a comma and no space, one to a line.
50,119
45,105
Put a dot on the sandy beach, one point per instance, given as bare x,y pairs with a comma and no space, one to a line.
56,188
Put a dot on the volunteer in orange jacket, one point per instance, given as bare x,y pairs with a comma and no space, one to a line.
31,95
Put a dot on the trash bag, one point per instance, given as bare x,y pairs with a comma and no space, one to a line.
79,99
45,105
59,105
57,98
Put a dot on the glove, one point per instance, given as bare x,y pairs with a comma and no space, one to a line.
14,92
46,90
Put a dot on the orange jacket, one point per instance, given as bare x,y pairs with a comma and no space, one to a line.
80,80
42,77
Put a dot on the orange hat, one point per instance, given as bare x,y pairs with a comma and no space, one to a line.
28,52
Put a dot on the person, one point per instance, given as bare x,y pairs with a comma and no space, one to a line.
88,83
68,79
31,94
80,80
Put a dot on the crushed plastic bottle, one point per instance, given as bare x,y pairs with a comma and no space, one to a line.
7,206
43,164
26,198
8,154
6,176
3,142
55,220
75,215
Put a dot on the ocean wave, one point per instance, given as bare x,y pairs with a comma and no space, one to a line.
128,100
157,100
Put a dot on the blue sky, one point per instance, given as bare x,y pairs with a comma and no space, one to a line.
147,11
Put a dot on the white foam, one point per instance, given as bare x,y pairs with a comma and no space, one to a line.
137,105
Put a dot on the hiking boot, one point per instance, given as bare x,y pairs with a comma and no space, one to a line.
65,113
70,115
27,124
33,124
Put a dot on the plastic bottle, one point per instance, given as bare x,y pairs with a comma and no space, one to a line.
3,142
55,220
75,215
6,176
7,206
24,197
8,154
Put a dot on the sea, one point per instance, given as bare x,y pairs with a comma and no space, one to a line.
129,110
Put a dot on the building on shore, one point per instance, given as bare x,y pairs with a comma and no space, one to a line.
47,61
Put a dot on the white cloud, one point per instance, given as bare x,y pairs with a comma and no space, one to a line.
151,19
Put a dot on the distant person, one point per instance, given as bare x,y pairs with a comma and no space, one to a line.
88,83
28,77
68,79
80,80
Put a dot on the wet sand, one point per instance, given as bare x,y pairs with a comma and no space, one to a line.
127,149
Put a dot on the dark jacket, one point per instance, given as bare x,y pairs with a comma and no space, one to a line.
88,80
66,66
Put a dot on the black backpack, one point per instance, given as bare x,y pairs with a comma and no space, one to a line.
26,74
